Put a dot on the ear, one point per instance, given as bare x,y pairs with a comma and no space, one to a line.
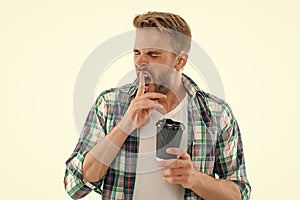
181,61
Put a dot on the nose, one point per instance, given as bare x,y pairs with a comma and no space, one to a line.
141,60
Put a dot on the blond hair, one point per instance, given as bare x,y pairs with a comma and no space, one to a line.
171,24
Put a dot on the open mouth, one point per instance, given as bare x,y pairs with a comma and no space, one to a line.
148,80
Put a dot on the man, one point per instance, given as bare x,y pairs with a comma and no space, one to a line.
116,149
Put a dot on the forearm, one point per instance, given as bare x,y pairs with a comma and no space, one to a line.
210,188
99,158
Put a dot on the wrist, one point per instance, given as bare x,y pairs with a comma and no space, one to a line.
197,180
121,132
127,125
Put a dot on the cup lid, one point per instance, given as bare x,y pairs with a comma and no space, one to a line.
169,123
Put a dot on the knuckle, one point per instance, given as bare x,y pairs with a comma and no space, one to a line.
185,180
171,171
137,105
172,179
184,172
133,101
165,173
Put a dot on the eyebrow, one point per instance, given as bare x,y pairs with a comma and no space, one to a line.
148,51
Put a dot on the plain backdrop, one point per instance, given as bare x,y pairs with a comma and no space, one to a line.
253,44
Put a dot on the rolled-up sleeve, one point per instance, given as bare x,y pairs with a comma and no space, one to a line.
230,161
93,131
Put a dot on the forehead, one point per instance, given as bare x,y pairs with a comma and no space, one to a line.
152,38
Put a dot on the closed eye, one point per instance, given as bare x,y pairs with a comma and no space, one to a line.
136,52
154,54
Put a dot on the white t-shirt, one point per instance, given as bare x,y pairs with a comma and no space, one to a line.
149,182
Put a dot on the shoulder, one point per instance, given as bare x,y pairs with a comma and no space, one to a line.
217,109
117,94
206,102
215,104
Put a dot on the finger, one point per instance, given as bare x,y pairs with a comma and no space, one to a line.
174,172
175,179
154,95
181,164
165,163
146,104
178,152
141,88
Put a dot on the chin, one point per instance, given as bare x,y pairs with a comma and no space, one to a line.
161,89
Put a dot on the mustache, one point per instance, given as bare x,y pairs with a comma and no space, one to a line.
143,68
145,71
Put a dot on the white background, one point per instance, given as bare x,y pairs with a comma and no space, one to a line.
254,45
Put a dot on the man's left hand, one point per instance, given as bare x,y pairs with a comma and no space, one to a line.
181,170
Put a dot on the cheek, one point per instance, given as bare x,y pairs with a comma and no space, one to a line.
166,60
135,59
171,62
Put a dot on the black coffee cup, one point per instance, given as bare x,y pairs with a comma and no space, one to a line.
169,134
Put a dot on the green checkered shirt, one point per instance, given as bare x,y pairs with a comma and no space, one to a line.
214,144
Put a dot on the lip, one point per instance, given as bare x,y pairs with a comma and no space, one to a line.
147,78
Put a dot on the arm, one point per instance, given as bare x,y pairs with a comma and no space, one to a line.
229,166
211,188
86,168
230,160
98,160
74,183
101,156
181,171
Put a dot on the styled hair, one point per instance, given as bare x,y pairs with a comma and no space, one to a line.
170,24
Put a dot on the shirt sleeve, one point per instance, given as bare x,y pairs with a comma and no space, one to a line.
93,130
230,161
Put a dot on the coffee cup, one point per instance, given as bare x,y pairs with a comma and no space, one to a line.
168,134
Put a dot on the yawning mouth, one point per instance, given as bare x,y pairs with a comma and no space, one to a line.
147,79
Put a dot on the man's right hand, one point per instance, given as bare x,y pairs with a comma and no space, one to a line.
140,107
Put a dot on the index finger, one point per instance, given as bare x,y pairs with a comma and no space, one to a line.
141,88
178,152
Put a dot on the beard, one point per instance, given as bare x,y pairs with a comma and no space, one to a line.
161,89
164,82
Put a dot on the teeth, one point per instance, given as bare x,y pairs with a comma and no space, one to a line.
147,76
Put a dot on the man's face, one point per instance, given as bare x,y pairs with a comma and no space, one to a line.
154,57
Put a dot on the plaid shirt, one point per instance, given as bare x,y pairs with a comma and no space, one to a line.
213,134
